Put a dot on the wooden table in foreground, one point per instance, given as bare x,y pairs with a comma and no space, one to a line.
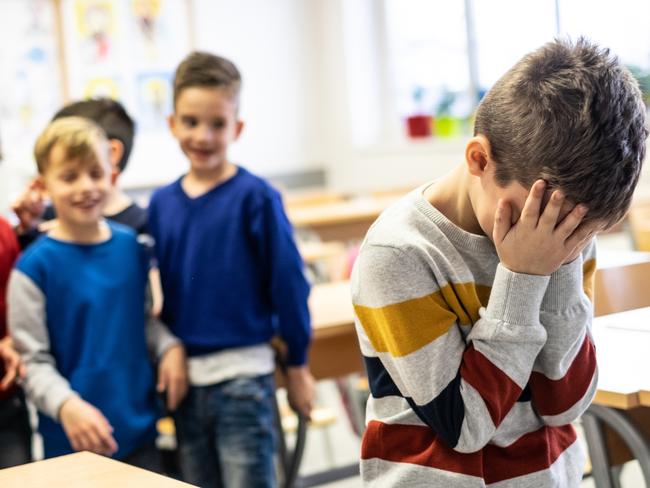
83,470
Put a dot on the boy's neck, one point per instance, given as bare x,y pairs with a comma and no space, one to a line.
82,234
451,196
197,183
117,202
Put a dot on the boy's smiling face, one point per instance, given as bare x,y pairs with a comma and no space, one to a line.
205,123
79,187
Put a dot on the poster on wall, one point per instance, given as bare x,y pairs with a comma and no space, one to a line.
126,50
30,84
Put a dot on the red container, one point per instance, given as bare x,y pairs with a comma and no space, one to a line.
418,125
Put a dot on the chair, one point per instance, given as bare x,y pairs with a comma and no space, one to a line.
639,221
622,288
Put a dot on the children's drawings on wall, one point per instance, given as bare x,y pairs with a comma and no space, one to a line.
155,99
101,87
126,49
29,73
95,29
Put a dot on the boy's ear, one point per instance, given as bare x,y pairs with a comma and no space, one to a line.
239,126
171,122
477,154
115,153
115,172
38,185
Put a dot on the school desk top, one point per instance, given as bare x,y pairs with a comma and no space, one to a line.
82,470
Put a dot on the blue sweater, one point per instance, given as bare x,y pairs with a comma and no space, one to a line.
230,270
94,297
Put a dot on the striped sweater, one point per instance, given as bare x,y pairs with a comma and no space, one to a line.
475,372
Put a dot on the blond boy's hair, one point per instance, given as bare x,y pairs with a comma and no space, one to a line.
78,136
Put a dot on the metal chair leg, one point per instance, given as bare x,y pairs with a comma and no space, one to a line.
614,419
290,459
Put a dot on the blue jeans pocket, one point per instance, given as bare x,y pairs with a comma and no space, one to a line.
256,389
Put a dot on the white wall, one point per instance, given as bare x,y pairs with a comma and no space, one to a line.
299,73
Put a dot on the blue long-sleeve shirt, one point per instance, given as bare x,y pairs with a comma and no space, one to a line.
230,270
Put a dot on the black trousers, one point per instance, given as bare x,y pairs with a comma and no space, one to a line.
15,431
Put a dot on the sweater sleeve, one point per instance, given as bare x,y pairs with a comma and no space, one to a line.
414,346
284,276
565,374
44,385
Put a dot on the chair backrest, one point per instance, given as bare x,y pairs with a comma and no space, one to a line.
621,288
639,219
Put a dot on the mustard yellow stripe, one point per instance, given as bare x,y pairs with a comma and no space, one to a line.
589,277
405,327
465,300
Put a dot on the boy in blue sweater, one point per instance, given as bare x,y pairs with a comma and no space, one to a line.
77,312
232,278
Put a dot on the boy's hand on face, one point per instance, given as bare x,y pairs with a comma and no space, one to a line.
300,389
589,229
29,206
13,366
86,427
172,376
539,243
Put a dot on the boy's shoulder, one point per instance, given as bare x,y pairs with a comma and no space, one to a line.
413,235
165,191
121,231
243,183
404,222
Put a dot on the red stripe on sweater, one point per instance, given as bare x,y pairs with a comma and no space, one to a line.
552,397
419,445
496,388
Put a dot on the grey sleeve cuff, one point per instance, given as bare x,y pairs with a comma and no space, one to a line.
56,396
565,288
159,338
516,297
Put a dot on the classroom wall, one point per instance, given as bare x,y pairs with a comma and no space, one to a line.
303,102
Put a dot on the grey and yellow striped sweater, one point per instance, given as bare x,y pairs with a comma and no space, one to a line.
475,372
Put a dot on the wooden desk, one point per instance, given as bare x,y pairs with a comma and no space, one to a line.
340,221
623,352
617,425
314,252
83,470
335,347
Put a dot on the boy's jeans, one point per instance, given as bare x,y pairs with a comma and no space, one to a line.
226,434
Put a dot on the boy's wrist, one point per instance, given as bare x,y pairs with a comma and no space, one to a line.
64,404
564,285
516,297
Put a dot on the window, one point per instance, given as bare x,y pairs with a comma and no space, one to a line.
442,56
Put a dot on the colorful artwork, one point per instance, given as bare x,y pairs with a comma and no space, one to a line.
154,99
125,49
102,87
96,28
30,86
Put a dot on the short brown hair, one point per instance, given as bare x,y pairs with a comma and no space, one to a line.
572,114
204,69
79,136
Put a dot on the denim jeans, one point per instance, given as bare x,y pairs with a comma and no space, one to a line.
145,457
226,434
15,431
